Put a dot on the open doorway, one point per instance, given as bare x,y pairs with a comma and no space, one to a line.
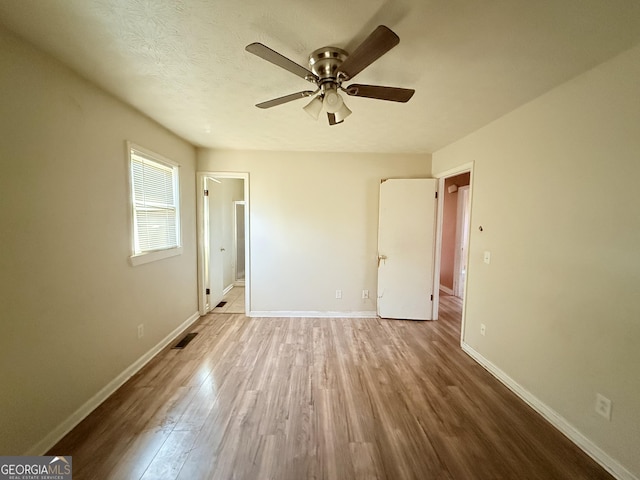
223,250
239,242
453,227
455,234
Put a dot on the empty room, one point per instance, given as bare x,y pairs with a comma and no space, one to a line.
388,239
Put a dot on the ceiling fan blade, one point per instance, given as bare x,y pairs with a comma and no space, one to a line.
390,13
381,40
332,119
287,98
393,94
281,61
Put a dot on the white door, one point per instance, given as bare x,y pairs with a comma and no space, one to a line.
213,213
406,240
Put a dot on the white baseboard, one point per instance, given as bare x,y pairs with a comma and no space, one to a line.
446,290
607,462
90,405
312,314
238,283
228,289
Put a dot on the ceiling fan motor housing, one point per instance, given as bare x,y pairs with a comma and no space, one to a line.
324,62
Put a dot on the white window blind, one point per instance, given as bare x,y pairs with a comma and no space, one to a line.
155,196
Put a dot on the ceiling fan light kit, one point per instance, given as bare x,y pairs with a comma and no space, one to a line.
343,113
328,68
314,107
332,101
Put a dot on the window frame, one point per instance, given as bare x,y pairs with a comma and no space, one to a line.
147,256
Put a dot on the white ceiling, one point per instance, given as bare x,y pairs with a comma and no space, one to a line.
183,62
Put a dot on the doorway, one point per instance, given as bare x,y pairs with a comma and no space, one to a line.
455,234
452,247
239,241
223,246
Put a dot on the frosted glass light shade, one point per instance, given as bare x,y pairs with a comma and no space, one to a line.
343,113
332,101
313,108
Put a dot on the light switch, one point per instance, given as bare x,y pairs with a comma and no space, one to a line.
487,257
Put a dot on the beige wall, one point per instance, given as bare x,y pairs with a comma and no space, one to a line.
313,221
555,189
70,300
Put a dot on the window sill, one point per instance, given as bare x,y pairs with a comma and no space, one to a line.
143,258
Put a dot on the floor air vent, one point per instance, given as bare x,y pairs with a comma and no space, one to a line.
221,304
185,340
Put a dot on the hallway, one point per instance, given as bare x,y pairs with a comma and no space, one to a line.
234,302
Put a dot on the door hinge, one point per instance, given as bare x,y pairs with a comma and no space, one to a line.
206,193
436,194
432,298
208,292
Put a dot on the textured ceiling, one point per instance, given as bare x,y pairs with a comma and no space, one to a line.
183,63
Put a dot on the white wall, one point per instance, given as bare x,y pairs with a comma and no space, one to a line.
313,224
70,300
556,191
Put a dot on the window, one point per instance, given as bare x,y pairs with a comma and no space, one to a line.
155,199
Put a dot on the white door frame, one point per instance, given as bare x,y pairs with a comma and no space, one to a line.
462,226
202,226
235,240
442,176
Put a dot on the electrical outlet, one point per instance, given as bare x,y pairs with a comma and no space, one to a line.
365,293
483,329
603,406
141,330
338,293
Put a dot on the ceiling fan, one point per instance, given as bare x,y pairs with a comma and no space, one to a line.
328,68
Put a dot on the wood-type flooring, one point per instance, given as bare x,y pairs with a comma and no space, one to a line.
300,398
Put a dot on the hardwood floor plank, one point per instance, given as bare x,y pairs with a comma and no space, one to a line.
333,440
138,455
300,398
198,407
169,459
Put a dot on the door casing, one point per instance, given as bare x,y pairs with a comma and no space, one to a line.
442,176
462,240
202,225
